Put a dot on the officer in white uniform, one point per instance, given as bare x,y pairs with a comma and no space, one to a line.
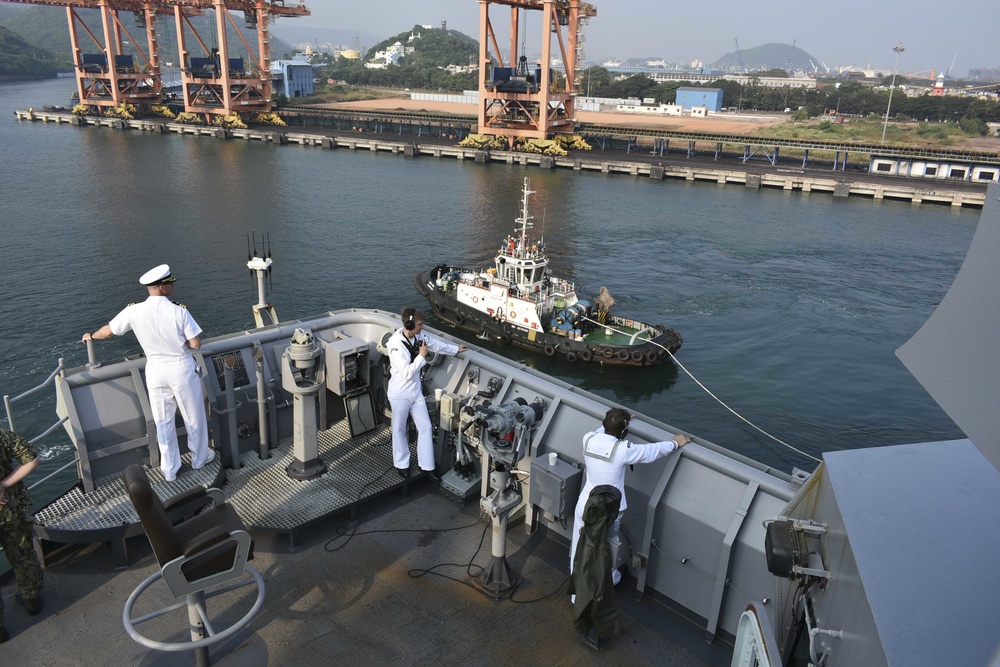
408,350
606,453
167,334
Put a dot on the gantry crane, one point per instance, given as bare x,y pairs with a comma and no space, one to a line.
212,82
518,101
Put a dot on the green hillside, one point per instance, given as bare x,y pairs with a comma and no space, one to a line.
433,47
768,56
21,60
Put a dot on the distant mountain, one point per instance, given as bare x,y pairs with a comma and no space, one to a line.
20,60
297,33
768,56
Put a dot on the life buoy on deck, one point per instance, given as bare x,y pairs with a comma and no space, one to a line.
622,354
475,299
571,356
550,351
512,315
636,355
586,354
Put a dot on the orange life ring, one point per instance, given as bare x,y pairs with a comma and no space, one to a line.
475,299
512,315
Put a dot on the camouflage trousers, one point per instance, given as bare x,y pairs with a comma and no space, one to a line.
15,538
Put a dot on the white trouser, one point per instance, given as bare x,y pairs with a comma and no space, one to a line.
616,576
416,408
173,383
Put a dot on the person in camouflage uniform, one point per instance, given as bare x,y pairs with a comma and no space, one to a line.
17,460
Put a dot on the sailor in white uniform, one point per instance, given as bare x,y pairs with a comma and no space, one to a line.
408,350
167,333
606,453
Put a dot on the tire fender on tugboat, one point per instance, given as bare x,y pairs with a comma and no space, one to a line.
637,355
622,354
586,354
550,351
571,357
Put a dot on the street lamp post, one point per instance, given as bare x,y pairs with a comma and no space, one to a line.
898,49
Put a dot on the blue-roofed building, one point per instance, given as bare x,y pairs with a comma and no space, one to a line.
699,97
292,78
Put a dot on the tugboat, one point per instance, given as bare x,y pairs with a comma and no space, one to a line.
519,302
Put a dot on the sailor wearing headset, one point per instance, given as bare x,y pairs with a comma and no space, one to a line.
408,350
606,453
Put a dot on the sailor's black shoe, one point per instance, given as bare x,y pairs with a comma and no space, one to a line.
4,636
431,475
403,472
32,605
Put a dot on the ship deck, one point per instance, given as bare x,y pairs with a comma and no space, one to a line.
395,585
357,563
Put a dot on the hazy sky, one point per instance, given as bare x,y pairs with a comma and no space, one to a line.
839,32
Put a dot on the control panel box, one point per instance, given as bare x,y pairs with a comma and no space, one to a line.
554,488
347,368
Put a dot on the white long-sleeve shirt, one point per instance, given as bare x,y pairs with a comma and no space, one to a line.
607,456
405,368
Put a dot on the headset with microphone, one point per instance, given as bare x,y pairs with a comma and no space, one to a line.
409,319
616,422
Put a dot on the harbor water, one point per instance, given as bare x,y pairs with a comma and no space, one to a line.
791,305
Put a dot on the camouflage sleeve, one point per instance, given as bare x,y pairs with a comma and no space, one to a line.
20,449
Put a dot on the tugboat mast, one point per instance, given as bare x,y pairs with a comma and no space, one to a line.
524,222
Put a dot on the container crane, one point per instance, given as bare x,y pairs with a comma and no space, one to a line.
212,82
516,100
739,56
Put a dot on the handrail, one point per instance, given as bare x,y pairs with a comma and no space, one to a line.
52,474
48,430
8,401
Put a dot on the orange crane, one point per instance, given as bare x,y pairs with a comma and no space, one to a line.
515,101
212,83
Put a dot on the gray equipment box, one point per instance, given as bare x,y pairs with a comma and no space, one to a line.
346,366
554,488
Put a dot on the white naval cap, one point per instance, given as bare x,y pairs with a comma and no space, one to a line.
157,276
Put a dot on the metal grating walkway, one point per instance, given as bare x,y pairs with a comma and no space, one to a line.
357,468
108,508
265,497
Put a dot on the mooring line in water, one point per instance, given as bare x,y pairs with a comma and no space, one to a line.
709,391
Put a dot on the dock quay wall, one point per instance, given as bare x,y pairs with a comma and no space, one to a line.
838,184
